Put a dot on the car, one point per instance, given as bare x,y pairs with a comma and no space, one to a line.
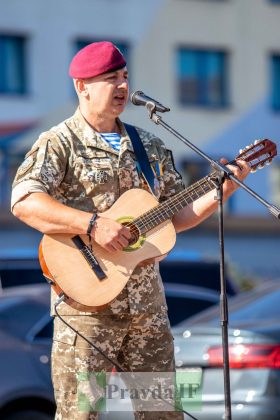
25,345
187,268
193,269
25,337
184,300
254,355
20,270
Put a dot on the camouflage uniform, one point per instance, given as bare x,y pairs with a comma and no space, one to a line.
73,164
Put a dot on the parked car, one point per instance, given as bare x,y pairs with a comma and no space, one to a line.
254,337
254,348
188,268
18,270
193,269
25,345
184,300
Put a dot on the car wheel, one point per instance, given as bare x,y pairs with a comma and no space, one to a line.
28,415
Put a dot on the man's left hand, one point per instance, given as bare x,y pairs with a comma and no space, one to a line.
240,172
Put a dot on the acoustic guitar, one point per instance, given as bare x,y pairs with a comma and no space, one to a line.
91,277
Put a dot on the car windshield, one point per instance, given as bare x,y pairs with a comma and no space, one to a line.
9,303
18,314
257,305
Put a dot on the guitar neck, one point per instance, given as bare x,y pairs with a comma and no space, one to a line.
167,209
256,155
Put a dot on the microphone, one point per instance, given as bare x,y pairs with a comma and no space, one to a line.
139,98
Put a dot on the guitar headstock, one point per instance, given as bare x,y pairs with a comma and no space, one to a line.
259,154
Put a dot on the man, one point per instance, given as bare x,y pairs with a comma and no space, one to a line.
76,169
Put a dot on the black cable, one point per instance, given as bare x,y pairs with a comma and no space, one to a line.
116,364
60,299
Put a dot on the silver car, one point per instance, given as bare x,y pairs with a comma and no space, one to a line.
254,349
25,345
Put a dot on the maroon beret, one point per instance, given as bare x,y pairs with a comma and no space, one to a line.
94,59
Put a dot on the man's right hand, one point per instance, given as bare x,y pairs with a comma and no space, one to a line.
110,234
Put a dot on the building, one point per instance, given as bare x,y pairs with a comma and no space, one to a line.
215,63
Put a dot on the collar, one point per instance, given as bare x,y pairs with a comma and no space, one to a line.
91,138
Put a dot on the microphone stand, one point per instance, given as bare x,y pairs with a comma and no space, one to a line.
222,172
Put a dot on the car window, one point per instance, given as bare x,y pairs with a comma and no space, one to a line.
9,303
265,307
17,315
257,305
18,276
180,308
197,273
46,331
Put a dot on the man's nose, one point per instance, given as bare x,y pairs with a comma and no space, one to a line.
123,83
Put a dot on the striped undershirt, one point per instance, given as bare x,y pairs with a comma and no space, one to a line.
113,139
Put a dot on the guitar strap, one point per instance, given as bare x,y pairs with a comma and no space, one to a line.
142,158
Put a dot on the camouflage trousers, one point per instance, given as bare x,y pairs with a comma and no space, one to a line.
141,343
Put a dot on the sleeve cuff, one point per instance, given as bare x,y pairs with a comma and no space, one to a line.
24,188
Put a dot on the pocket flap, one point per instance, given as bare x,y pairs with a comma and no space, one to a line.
62,333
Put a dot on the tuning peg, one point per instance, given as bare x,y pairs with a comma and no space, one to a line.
261,166
268,162
257,141
253,170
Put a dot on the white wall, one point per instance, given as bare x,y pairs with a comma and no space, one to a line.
52,26
248,29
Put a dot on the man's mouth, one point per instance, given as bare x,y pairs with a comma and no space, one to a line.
120,97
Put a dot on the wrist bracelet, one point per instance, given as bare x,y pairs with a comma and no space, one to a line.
91,224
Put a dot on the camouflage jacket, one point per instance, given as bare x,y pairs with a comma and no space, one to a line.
73,164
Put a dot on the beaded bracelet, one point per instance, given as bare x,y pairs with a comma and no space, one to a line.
91,224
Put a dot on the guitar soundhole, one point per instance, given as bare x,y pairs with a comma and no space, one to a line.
134,233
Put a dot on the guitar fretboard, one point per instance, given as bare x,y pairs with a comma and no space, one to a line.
173,205
255,155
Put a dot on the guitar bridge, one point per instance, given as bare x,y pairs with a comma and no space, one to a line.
89,257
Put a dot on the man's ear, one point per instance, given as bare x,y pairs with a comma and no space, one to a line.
81,87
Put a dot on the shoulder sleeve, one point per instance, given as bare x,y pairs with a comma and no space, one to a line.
43,168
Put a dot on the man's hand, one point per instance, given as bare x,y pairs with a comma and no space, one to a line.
110,235
202,208
240,172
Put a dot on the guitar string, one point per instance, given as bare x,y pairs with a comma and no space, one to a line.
150,213
165,210
155,215
152,217
110,263
186,195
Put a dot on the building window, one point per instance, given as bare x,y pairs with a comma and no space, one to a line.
275,82
13,65
202,77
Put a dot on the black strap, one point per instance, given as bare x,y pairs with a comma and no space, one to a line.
141,156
